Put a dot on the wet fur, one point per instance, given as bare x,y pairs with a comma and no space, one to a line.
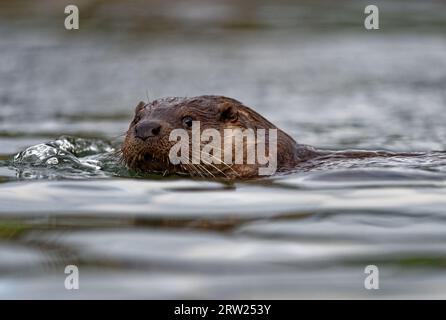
216,112
213,112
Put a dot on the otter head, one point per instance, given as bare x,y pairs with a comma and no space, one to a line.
148,141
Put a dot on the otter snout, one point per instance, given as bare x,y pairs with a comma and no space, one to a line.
147,129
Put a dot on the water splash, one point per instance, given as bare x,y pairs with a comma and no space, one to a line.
68,157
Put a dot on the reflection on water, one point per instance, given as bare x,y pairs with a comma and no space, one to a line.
309,234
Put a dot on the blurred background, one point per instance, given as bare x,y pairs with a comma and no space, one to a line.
309,66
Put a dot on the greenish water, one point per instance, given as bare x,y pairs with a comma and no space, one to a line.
66,100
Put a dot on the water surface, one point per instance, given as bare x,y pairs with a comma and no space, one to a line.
66,100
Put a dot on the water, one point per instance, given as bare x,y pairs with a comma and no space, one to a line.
66,100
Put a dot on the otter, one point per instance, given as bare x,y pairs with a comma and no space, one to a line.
148,142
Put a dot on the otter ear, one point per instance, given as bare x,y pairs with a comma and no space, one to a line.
140,106
227,112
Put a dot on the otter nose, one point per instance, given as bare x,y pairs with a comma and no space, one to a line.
146,129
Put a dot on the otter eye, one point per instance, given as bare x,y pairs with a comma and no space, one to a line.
187,122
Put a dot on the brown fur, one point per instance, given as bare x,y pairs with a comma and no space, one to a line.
151,155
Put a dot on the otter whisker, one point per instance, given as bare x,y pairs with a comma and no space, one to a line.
197,169
147,95
194,169
215,167
119,156
203,167
119,136
222,162
188,169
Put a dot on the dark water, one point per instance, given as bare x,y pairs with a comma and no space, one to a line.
67,98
